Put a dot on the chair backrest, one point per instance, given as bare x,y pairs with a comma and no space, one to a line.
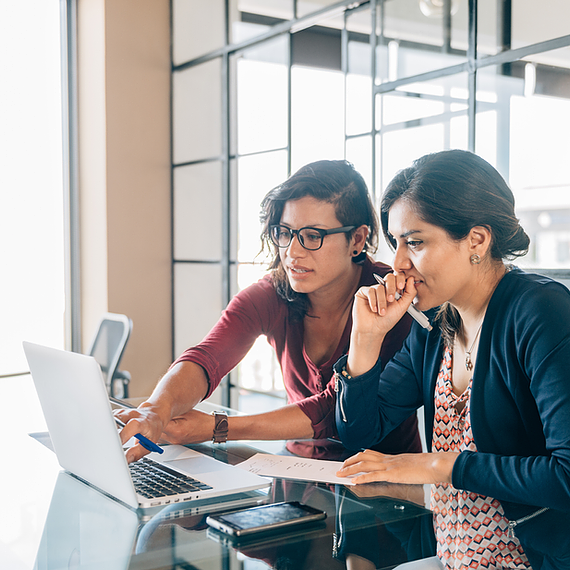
109,344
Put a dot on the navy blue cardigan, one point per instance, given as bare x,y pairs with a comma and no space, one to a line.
520,400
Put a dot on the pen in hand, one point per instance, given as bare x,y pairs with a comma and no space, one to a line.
145,442
416,314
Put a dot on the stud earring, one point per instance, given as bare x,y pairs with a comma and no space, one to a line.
475,259
355,252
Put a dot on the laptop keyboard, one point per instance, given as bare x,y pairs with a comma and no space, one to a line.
153,479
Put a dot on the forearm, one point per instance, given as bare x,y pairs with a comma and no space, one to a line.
364,352
408,468
179,390
288,422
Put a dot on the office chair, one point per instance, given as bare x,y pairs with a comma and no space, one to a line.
107,348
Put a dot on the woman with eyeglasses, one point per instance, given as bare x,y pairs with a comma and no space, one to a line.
320,227
492,374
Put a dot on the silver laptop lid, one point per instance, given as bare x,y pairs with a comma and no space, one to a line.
72,394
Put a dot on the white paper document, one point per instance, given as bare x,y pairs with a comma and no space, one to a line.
289,467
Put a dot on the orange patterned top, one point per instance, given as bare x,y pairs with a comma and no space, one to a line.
471,529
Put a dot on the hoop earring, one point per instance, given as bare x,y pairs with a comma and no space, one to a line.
475,259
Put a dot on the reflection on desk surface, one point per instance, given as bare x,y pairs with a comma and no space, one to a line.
380,531
53,521
85,529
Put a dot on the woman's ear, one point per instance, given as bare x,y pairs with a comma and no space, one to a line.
480,239
359,239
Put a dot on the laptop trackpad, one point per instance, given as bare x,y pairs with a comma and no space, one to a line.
196,465
187,460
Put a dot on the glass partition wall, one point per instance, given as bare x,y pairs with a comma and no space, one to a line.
261,87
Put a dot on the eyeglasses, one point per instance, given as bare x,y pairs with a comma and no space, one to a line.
309,238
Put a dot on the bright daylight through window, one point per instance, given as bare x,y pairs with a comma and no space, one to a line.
380,83
32,290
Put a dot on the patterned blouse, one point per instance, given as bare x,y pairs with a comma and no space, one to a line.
471,529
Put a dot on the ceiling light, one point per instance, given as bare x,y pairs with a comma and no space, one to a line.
434,8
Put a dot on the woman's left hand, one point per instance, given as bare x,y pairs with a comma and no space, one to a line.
409,468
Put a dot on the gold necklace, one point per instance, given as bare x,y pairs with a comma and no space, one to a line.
468,361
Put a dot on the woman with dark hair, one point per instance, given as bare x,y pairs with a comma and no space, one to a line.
320,226
492,374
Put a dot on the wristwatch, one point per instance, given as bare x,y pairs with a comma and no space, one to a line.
220,427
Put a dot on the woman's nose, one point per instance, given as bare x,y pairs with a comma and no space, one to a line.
401,260
295,248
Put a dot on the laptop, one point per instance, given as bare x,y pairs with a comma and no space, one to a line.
86,440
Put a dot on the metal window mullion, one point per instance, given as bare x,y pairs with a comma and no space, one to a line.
503,130
487,61
446,26
421,77
373,67
504,22
68,27
289,100
472,76
294,25
226,190
517,54
344,71
172,166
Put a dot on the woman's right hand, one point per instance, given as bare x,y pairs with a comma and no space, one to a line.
168,414
375,312
376,309
192,427
145,420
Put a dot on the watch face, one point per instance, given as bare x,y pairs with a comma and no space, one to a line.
220,428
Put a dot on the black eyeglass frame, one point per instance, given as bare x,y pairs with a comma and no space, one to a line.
297,233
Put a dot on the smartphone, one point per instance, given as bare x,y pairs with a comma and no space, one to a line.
265,518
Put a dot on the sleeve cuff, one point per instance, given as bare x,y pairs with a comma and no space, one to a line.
373,373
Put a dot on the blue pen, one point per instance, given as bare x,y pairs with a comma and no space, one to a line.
144,441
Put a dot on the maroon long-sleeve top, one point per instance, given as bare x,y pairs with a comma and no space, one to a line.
258,310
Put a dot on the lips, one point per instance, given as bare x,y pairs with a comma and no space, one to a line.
416,300
416,282
299,271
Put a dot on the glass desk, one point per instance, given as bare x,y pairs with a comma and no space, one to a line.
50,520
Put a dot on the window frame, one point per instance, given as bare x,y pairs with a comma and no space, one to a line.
474,62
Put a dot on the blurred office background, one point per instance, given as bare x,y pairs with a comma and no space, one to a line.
179,116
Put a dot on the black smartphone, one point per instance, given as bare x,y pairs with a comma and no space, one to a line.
265,518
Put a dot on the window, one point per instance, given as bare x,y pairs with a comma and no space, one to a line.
32,289
380,83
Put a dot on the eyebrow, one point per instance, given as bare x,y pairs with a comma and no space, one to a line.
315,226
409,233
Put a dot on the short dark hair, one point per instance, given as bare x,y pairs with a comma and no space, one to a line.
333,181
457,190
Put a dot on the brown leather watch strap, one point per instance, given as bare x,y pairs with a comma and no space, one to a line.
220,427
